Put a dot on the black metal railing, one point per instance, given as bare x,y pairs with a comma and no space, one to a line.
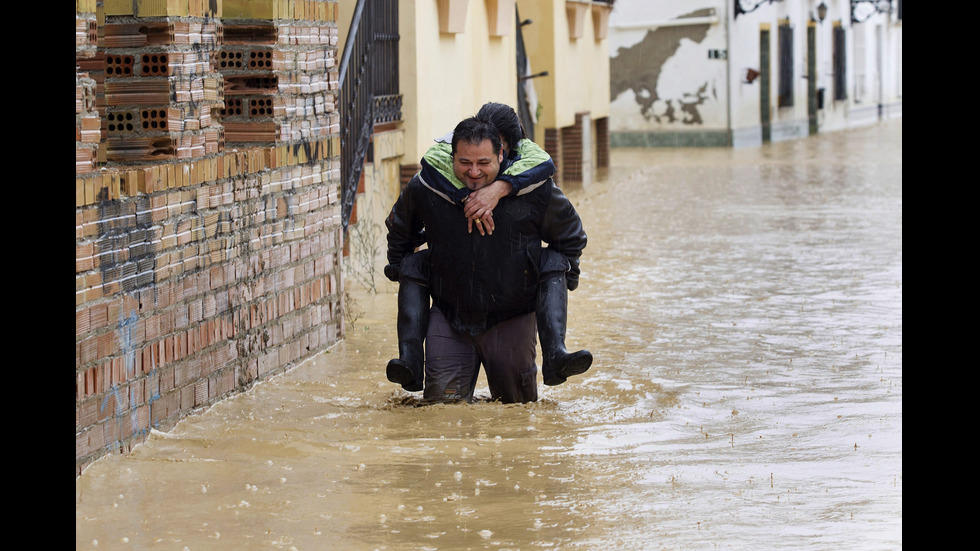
355,107
369,89
384,63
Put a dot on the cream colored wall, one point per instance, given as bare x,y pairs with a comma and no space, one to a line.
367,238
539,42
345,11
446,77
578,68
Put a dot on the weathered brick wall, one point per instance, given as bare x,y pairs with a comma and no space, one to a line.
567,149
199,269
572,151
602,142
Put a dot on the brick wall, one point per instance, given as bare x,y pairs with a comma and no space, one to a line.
602,142
553,145
200,268
567,150
572,151
407,172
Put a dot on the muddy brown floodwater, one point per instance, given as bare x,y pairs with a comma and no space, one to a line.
744,307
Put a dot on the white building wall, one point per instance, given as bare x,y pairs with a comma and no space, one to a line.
745,40
877,85
833,116
672,72
668,69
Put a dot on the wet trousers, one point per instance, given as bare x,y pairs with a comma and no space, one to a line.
507,351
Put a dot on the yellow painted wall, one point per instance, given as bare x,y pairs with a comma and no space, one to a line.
345,12
540,42
446,77
578,68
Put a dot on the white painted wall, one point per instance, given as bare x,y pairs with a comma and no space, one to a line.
874,73
687,70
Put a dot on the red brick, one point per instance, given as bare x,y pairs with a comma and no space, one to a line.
82,321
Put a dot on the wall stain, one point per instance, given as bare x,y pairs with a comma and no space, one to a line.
638,68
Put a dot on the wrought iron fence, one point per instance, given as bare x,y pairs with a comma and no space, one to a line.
384,62
369,89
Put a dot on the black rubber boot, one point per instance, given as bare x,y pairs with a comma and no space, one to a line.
408,369
557,363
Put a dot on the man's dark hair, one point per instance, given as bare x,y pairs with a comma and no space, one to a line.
505,119
474,131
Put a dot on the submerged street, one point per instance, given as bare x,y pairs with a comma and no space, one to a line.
744,308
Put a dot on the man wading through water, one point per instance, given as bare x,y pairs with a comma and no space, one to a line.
489,292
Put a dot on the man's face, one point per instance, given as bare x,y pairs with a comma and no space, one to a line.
476,165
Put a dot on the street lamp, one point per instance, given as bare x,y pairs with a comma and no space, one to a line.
861,10
821,12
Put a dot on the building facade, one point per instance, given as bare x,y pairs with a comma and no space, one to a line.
235,160
208,228
744,72
547,58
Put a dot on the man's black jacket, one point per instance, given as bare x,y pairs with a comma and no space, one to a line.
481,280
